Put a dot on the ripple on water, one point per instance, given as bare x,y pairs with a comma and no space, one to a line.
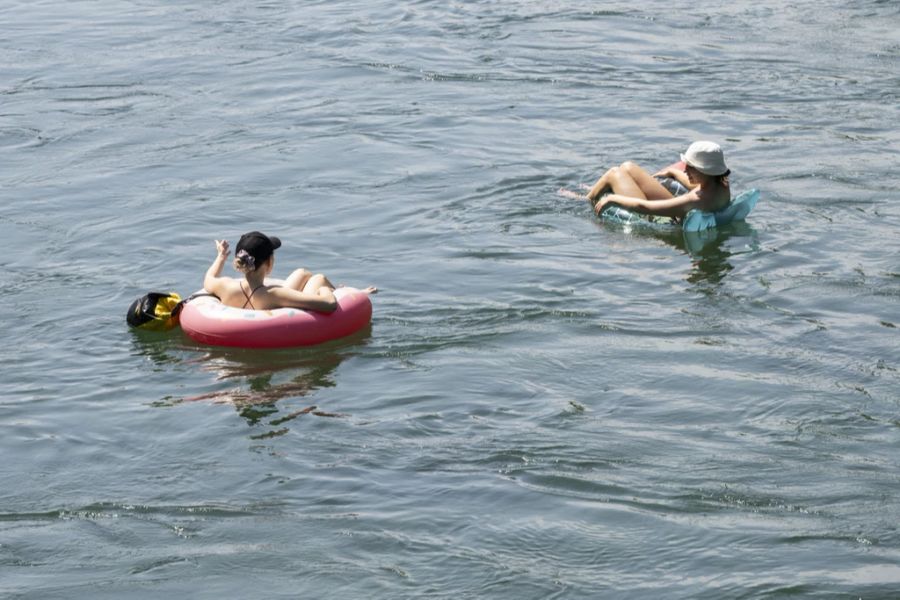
545,406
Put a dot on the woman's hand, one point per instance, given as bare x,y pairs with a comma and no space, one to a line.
211,279
601,204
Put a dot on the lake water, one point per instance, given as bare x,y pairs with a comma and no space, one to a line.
545,406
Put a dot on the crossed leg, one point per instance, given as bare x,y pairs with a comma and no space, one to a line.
628,179
304,281
318,284
298,279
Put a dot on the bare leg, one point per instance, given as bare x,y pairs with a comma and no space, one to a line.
603,184
619,181
297,279
570,194
628,179
317,282
652,189
304,281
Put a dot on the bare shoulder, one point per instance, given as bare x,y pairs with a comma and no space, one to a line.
221,285
713,200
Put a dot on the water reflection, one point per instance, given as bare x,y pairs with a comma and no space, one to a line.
264,378
711,251
155,345
261,378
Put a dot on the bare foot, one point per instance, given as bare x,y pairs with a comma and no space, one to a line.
570,194
370,290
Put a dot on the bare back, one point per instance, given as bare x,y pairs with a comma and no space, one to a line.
238,293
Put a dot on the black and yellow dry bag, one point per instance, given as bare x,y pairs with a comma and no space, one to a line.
155,311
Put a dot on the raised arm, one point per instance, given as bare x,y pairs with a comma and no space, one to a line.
214,272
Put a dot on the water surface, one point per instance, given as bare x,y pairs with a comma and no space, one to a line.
545,406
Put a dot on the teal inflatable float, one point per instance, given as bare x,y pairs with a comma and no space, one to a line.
695,220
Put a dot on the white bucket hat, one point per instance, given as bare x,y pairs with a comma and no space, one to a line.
706,157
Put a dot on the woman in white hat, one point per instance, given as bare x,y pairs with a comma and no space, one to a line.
702,185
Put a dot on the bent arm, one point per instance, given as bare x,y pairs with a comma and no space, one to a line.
674,207
324,301
678,175
213,273
682,178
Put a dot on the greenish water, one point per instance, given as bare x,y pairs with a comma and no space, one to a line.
545,406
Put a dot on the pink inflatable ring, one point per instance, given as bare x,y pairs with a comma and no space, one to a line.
206,320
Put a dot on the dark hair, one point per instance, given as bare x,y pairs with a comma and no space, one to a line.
723,178
253,250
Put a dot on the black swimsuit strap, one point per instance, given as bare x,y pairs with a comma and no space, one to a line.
250,295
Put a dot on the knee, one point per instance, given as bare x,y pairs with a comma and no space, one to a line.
301,273
315,281
629,167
